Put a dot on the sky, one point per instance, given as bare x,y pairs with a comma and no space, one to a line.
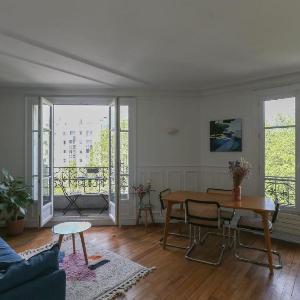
73,113
280,106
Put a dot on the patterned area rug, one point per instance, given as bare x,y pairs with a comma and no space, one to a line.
107,276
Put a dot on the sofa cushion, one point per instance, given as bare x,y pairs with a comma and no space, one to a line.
8,256
41,264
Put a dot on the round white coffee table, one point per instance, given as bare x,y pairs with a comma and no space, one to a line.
72,228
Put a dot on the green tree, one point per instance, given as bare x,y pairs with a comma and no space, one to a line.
280,160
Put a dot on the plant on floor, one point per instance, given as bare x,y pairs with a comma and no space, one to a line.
15,198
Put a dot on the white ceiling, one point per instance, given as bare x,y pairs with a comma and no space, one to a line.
169,44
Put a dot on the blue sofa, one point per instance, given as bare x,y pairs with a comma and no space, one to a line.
34,279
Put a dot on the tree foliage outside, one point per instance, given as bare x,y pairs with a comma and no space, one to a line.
280,160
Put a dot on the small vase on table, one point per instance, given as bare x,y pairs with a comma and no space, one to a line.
238,171
237,193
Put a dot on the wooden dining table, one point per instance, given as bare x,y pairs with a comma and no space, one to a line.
258,204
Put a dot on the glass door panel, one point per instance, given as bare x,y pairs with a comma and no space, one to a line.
113,162
46,160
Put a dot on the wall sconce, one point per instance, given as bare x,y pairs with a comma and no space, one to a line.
172,131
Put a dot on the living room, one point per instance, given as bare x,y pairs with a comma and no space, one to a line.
117,118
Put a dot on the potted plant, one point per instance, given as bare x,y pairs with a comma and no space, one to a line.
15,197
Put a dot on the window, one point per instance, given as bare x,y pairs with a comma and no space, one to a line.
280,151
124,151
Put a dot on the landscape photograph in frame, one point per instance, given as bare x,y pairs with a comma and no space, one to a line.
226,135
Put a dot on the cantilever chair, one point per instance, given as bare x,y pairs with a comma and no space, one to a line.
203,214
177,214
253,224
226,214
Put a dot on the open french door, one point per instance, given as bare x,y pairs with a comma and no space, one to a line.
45,161
114,161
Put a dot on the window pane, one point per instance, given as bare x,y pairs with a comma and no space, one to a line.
46,191
124,117
280,150
280,112
46,116
124,187
35,113
35,153
35,188
46,153
124,165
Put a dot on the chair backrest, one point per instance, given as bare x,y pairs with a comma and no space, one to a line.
202,210
218,191
275,214
161,194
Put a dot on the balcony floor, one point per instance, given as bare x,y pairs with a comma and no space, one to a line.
87,212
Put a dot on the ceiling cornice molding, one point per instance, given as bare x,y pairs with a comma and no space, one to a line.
53,68
62,53
256,86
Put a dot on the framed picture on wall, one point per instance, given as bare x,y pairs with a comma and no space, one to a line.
226,135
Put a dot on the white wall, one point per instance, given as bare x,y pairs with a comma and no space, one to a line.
180,161
12,138
244,105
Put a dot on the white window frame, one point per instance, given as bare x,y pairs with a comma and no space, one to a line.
273,94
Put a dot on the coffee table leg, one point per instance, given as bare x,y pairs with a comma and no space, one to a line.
60,238
83,247
73,239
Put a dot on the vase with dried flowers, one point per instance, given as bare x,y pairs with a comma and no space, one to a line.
239,170
141,190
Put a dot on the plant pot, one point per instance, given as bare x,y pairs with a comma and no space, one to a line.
16,227
237,193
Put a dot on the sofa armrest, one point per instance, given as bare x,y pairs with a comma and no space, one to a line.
48,287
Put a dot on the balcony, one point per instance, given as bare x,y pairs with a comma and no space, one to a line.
90,182
85,180
281,188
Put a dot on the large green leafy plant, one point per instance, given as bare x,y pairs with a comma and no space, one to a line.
15,197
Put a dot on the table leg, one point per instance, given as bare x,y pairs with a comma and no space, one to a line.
268,241
146,218
167,222
73,239
83,247
151,214
138,216
60,238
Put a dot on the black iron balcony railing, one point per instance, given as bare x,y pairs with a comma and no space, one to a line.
86,180
281,188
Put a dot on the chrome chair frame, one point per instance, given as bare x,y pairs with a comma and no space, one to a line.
162,208
228,235
237,242
195,239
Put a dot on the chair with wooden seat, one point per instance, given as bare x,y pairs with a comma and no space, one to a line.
177,214
203,214
226,214
253,224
